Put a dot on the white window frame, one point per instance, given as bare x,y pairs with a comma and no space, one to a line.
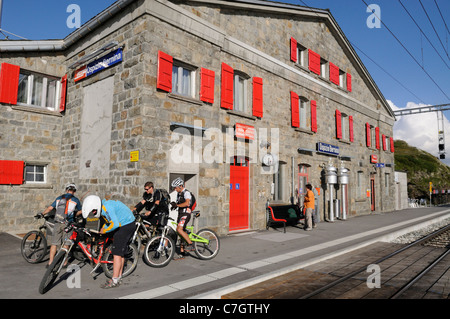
304,112
240,92
302,54
345,127
34,174
342,78
31,94
178,82
324,68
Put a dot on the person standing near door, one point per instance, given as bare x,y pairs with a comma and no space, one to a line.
309,205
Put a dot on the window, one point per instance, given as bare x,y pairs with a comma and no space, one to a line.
35,173
279,179
345,127
342,78
323,68
240,92
302,54
38,90
373,136
183,79
304,113
360,185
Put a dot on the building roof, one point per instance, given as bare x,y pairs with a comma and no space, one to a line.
256,5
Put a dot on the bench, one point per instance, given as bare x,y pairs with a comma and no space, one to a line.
285,214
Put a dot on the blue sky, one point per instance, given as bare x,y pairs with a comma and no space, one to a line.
46,19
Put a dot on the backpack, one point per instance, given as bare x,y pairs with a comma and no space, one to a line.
61,208
165,197
193,202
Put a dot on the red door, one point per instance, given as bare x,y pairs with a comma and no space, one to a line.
239,184
372,192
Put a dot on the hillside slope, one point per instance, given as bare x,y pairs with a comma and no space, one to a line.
422,168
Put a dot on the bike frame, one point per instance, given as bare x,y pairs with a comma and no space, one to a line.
97,261
192,235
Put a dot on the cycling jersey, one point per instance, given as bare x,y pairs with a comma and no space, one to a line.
73,205
181,198
115,214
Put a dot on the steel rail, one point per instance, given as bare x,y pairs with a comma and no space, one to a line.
354,273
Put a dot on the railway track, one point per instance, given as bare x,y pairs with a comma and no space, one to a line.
407,270
439,240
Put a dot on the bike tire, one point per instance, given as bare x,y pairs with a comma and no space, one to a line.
207,251
52,272
155,259
130,264
34,246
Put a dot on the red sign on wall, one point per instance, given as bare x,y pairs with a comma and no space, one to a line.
373,159
245,131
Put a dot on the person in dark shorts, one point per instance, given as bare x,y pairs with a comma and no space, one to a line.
118,218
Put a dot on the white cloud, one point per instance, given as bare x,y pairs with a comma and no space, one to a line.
421,130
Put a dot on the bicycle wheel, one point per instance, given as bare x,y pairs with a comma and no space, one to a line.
208,250
34,246
52,272
155,258
129,265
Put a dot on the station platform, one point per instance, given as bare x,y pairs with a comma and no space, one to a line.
299,248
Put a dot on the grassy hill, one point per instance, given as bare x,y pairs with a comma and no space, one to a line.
422,168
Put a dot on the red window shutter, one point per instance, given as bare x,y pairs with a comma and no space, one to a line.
314,61
334,74
11,172
349,82
207,86
226,101
62,104
9,83
164,79
383,138
377,138
293,50
392,144
295,110
314,116
338,125
350,128
258,97
368,134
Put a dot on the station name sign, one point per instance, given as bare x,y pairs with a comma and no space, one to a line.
327,149
100,64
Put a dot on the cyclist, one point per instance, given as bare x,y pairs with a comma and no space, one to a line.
67,208
152,200
114,217
184,205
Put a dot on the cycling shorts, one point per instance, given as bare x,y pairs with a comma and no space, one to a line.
183,219
122,237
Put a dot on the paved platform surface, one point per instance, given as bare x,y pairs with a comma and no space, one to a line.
244,259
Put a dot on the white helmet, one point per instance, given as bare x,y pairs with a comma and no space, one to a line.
90,203
177,182
71,187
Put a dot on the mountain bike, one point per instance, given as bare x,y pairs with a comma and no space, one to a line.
144,231
96,248
34,244
160,250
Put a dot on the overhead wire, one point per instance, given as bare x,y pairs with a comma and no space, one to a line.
423,33
432,25
409,53
377,64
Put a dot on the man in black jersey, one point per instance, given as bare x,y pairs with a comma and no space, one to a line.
184,206
153,202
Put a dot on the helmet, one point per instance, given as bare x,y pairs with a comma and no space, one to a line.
177,182
90,203
71,187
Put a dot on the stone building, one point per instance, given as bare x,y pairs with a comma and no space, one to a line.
246,100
